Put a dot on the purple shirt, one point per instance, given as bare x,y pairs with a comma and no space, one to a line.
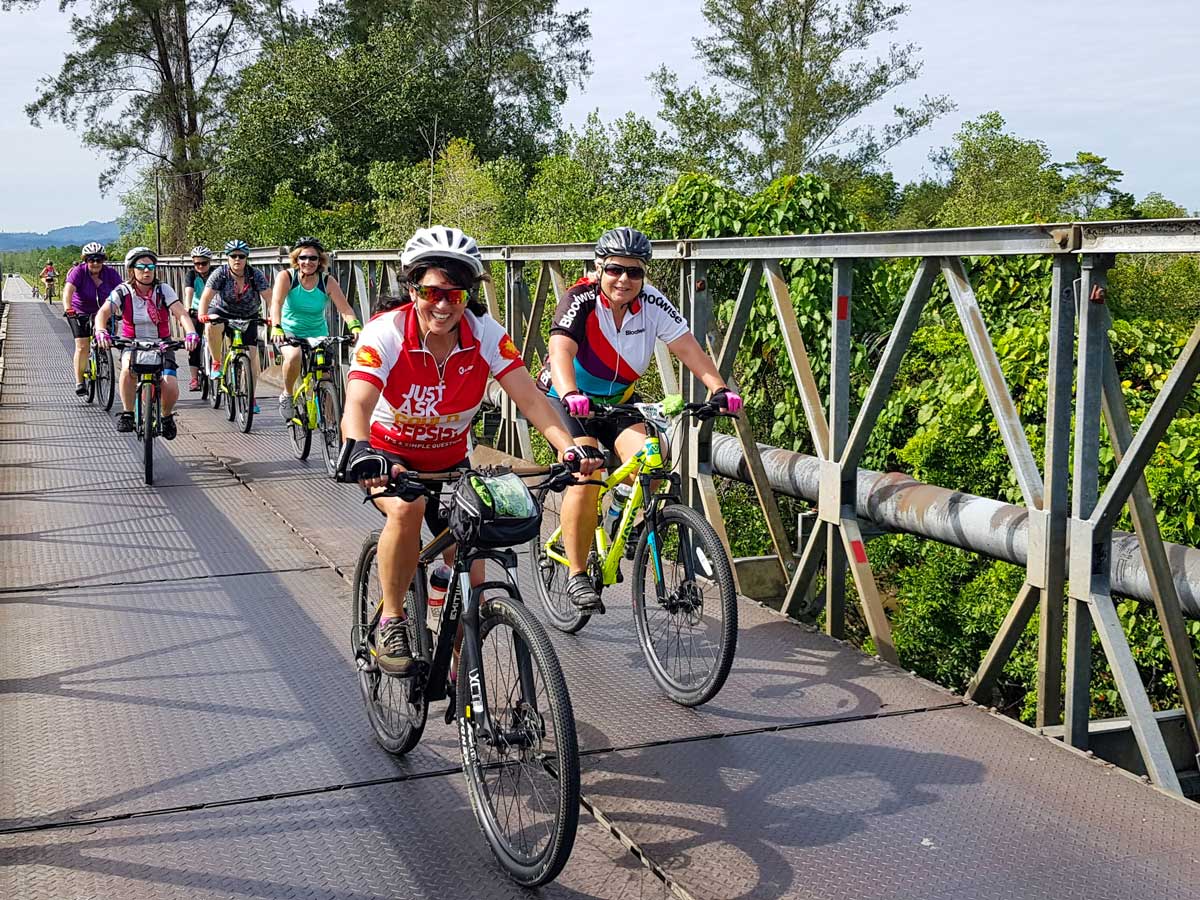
88,297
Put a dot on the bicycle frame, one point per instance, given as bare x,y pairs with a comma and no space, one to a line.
154,379
236,345
429,685
647,465
315,367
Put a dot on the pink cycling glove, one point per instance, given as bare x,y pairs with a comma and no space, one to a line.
191,342
577,403
730,400
103,340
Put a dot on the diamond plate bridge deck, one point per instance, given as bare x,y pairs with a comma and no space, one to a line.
179,716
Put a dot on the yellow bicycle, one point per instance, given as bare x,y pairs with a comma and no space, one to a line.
316,399
684,600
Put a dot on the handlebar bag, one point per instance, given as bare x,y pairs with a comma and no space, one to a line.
493,511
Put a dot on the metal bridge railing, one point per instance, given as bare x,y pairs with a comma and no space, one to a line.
1065,541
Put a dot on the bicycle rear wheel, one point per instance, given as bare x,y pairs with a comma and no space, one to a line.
329,423
300,433
689,636
106,378
396,718
148,423
549,575
243,381
524,785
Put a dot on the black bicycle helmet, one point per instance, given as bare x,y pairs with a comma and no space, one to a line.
309,242
624,241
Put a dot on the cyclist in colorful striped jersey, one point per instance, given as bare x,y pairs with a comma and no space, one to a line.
146,306
299,303
193,290
88,285
421,367
601,341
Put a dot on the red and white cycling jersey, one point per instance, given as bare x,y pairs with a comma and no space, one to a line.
423,414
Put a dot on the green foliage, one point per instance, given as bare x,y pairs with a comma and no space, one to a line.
29,263
1156,285
792,78
1091,189
998,178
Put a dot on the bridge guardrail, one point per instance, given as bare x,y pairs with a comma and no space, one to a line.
1064,534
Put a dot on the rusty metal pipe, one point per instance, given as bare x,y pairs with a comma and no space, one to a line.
898,503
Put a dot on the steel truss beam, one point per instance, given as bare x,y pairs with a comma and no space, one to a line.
1040,542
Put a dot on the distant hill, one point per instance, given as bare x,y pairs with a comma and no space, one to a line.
72,234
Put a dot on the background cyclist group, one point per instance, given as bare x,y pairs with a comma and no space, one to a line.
420,368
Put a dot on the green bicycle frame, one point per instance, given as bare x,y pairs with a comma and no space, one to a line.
306,387
649,457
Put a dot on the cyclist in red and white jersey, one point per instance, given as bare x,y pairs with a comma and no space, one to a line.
419,375
48,276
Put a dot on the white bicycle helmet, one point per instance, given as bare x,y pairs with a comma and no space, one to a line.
92,248
442,242
137,253
201,250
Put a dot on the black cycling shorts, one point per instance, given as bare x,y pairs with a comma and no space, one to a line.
603,430
195,357
249,336
81,326
433,513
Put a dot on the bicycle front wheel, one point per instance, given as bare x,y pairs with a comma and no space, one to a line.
687,626
550,575
243,386
523,781
396,716
147,430
89,376
299,431
329,423
106,378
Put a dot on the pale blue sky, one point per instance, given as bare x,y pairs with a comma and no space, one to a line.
1114,77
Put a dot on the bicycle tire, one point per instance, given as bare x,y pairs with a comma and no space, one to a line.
202,378
243,380
300,433
397,722
551,759
230,386
106,378
89,376
329,422
549,576
688,615
147,428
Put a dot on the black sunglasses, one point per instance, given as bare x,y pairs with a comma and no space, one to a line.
98,259
636,273
237,256
309,258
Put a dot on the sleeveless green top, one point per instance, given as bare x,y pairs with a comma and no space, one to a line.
304,310
197,289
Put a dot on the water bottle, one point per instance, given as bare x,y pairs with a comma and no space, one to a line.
439,583
620,496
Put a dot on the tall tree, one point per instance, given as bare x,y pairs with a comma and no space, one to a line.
791,79
998,178
145,81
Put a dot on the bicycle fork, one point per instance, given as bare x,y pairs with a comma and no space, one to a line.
478,718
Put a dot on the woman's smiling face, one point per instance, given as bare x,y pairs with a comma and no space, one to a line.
437,315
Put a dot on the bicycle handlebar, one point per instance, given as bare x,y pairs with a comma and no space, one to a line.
148,343
703,411
324,342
